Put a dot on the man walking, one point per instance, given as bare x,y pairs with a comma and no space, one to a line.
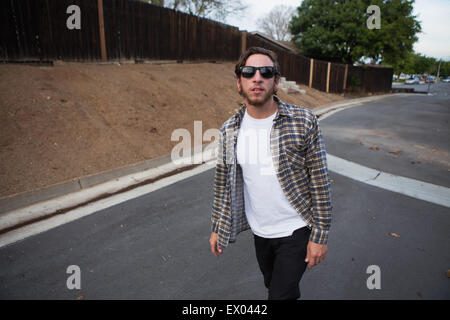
271,176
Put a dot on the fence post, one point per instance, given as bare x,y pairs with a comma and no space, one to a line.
101,29
345,77
243,41
328,76
311,69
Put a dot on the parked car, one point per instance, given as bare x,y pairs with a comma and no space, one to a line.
412,80
431,79
447,80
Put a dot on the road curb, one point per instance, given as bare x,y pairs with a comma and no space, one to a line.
24,199
331,108
27,207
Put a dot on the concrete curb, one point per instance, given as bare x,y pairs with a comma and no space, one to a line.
28,198
23,208
26,207
319,112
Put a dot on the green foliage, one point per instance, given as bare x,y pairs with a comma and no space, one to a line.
445,69
416,63
336,30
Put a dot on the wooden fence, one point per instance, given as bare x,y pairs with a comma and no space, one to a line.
323,75
134,30
37,30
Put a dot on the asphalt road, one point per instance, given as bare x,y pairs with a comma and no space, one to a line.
406,135
156,246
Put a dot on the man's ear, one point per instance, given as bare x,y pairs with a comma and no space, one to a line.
238,83
276,82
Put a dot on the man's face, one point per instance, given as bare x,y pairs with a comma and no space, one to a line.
257,90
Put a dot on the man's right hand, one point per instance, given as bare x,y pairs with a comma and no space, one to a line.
215,248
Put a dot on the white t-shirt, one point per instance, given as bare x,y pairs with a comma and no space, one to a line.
268,211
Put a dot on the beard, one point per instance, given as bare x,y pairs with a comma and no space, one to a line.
258,100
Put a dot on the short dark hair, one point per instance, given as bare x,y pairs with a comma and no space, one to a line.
256,50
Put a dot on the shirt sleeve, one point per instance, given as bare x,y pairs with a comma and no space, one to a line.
316,162
219,185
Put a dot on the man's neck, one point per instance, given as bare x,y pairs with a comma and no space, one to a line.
264,111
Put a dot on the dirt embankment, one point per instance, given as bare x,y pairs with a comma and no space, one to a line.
75,119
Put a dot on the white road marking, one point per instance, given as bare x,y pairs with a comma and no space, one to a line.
414,188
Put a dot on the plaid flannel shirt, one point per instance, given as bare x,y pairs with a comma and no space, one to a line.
299,159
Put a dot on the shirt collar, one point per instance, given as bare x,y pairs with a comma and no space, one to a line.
283,110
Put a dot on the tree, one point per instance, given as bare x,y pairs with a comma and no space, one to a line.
276,23
336,30
415,63
395,39
445,69
213,9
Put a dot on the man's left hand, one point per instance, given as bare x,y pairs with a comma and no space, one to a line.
315,254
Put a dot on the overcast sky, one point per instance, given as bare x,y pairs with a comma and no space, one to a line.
434,41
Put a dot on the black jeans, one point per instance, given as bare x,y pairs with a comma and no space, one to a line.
282,263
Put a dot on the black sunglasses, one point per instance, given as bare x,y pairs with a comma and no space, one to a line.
266,72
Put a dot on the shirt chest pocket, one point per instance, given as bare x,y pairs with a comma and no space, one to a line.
295,156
